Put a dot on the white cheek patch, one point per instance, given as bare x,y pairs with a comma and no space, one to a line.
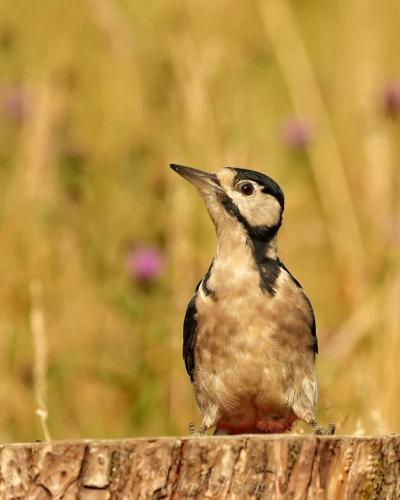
259,210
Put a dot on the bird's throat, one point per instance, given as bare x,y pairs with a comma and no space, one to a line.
241,262
243,249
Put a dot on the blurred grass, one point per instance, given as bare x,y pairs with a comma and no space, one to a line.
97,99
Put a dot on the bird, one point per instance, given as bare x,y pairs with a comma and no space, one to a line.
249,332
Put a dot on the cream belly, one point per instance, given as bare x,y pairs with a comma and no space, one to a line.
252,355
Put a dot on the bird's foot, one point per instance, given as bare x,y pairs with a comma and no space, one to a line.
329,430
196,432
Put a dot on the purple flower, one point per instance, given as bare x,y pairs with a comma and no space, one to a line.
15,103
296,133
144,264
391,98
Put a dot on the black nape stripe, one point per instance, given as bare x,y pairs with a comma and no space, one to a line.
261,237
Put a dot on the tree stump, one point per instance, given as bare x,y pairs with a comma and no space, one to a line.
234,467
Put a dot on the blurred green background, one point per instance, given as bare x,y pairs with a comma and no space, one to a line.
101,245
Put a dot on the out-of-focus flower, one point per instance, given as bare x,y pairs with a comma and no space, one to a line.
15,103
296,133
391,98
144,264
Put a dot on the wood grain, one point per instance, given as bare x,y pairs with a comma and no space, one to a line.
239,467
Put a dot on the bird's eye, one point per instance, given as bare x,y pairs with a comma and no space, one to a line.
247,189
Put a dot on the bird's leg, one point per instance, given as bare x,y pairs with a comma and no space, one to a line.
197,432
329,430
309,418
211,417
318,430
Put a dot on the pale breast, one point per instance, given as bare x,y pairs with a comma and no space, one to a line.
250,345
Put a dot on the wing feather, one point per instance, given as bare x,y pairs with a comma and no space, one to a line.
189,335
313,326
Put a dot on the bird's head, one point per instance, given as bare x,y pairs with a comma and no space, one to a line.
240,197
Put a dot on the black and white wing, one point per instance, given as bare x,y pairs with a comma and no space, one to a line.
189,335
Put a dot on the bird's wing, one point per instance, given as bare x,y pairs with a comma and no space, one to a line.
189,335
313,326
301,392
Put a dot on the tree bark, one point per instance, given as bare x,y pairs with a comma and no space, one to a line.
234,467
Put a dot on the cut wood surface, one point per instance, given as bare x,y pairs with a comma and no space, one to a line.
234,467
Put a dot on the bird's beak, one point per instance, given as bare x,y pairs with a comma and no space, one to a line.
206,182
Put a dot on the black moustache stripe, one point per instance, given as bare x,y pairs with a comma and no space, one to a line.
260,238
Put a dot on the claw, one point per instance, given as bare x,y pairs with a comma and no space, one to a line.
331,429
325,431
195,432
